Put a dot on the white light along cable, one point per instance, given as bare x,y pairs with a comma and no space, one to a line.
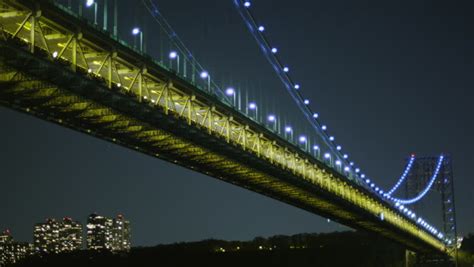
403,177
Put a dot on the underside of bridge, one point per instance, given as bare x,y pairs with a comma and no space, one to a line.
72,96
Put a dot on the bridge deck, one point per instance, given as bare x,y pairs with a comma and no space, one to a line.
57,67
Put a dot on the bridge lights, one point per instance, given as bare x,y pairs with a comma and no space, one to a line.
324,127
317,151
272,120
205,75
289,132
253,106
331,138
327,156
315,115
286,69
55,54
174,55
261,28
304,140
136,31
247,4
231,93
297,86
90,3
306,101
274,50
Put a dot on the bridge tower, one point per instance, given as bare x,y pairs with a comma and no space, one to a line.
418,178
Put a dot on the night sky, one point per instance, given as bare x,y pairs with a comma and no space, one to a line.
389,78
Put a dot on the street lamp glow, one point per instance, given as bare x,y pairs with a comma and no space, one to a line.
327,155
346,169
135,31
274,50
230,91
345,156
173,54
252,105
316,147
271,118
247,4
324,127
306,101
89,3
297,86
339,148
261,28
288,129
315,115
331,138
286,69
338,162
204,74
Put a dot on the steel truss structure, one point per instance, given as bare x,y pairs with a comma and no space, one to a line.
419,177
55,66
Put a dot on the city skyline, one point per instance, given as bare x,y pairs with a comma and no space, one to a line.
394,111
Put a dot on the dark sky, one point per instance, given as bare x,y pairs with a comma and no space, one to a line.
388,77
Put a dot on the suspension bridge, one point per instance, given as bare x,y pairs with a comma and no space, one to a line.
77,73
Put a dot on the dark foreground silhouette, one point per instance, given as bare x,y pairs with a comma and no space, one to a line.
336,249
